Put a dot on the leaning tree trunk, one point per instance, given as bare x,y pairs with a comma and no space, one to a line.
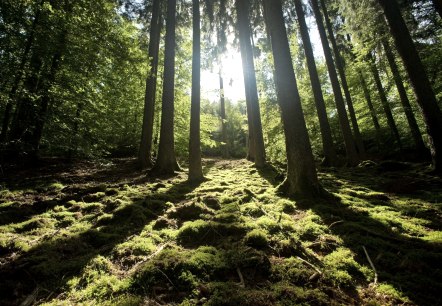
242,7
166,162
341,71
414,128
301,178
384,101
330,158
425,96
145,152
195,167
352,155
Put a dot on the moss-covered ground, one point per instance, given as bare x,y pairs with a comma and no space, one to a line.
108,234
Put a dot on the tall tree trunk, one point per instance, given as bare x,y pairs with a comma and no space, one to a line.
195,167
20,72
243,7
341,71
225,147
166,162
145,152
302,180
352,155
330,158
374,117
425,96
384,101
414,128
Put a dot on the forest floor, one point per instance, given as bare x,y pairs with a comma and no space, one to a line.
105,233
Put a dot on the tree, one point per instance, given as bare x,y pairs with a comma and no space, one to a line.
301,177
352,155
195,168
340,66
225,149
425,96
384,101
414,128
166,162
243,7
327,140
145,151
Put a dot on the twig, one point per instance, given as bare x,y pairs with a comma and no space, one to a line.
309,264
241,278
149,257
337,222
372,265
31,298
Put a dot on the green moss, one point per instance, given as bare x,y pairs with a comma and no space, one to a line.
202,232
257,239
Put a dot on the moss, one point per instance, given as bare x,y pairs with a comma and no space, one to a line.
94,197
257,239
189,211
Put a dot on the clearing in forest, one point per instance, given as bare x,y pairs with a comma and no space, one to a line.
108,234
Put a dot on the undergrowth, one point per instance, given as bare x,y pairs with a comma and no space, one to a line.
111,235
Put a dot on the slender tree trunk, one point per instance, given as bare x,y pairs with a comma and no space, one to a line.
301,178
384,101
166,162
145,152
352,155
344,83
414,128
242,7
195,167
225,148
20,72
374,117
330,158
425,96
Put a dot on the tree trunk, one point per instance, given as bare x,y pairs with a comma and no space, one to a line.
330,158
225,147
425,96
195,167
166,162
341,71
384,101
20,71
352,155
242,7
145,152
371,107
301,178
414,128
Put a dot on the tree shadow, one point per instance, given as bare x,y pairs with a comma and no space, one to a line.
410,264
55,259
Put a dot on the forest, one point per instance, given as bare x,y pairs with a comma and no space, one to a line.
230,152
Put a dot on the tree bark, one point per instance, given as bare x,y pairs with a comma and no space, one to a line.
414,128
145,152
242,7
344,83
384,101
330,158
225,147
425,96
352,155
195,167
166,162
301,180
374,117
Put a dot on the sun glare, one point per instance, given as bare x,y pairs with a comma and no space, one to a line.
232,76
